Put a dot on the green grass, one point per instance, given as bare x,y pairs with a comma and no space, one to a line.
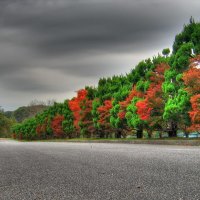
79,139
155,141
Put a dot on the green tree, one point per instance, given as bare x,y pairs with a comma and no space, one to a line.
176,112
133,118
5,125
166,52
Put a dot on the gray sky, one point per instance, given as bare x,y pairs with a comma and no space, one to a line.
51,48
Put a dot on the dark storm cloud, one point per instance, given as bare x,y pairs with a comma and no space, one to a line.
27,85
59,45
86,25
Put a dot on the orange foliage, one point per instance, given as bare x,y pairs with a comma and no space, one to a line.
41,128
157,76
86,117
74,106
56,125
153,101
121,114
195,113
143,110
124,104
104,114
191,79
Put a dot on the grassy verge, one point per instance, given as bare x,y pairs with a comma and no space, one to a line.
6,138
163,141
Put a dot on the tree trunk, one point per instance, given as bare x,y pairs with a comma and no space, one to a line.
172,133
187,134
140,133
101,134
149,133
118,133
173,130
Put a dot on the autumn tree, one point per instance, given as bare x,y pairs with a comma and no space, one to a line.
104,118
195,113
191,79
128,111
86,122
75,107
151,107
118,124
56,126
81,106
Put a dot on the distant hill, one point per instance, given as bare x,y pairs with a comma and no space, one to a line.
25,112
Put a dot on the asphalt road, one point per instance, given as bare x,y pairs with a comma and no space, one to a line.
92,171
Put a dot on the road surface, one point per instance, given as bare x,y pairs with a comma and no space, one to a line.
92,171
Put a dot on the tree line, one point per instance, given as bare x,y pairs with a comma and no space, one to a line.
5,124
160,94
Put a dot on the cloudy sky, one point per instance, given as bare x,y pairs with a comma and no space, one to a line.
51,48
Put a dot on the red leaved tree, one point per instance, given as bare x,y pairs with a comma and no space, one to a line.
152,106
143,109
195,113
191,79
86,121
75,107
124,104
81,107
153,103
56,125
104,116
41,129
